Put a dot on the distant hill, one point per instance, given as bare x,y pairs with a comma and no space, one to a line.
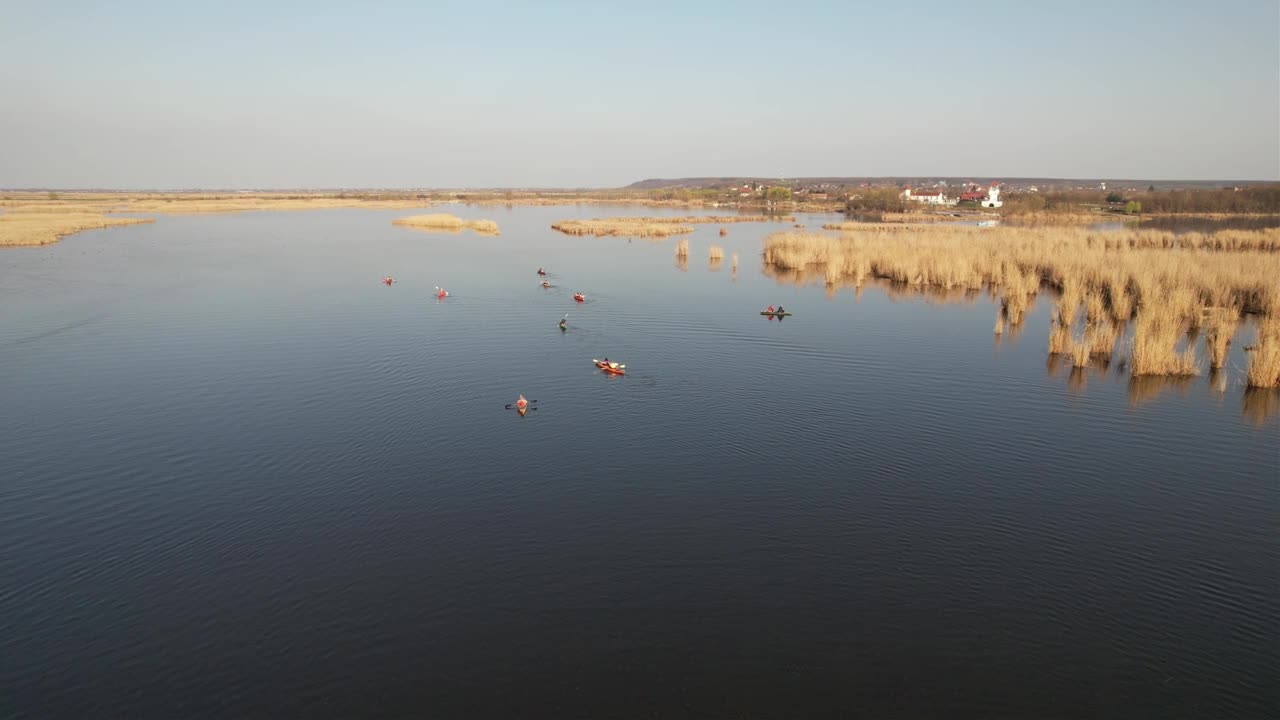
725,182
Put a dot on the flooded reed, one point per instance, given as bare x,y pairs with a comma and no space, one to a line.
659,226
1154,351
1172,285
682,249
1125,273
447,223
1219,328
1264,355
715,252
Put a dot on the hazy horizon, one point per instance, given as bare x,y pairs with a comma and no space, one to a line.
576,95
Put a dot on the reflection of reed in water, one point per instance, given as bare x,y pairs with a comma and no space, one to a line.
1144,389
1257,405
1218,382
1077,380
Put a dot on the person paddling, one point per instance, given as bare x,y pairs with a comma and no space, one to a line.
563,325
780,310
770,310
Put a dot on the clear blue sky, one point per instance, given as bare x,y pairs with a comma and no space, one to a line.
420,94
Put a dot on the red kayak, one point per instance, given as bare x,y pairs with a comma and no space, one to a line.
611,368
579,297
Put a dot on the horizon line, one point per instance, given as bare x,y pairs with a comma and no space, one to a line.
674,181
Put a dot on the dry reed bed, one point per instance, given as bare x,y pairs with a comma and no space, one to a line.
42,228
447,223
898,218
654,226
627,227
195,203
1165,285
42,218
1264,355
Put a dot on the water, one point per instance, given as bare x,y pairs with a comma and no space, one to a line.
241,477
1182,225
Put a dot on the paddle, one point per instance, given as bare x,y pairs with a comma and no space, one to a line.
620,367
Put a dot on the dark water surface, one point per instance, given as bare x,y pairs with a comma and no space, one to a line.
239,477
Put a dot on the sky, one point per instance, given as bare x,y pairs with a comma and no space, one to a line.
170,95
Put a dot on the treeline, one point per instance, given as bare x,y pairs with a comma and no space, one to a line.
1261,199
876,200
1255,199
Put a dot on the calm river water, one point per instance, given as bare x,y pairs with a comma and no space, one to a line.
240,477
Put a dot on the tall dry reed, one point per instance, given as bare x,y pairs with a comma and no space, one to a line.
1059,338
715,252
1219,328
1264,355
682,249
1127,273
1101,337
448,223
1080,351
1155,339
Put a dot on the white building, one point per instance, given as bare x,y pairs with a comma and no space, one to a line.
929,197
993,198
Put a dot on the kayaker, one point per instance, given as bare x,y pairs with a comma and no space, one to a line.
779,309
563,325
770,310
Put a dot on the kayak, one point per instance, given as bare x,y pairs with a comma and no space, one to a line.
775,314
546,284
564,328
579,297
612,368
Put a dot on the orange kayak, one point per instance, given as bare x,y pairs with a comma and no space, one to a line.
579,297
612,368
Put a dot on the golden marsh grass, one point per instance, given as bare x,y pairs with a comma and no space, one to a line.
1264,355
447,223
30,218
654,226
1174,286
43,228
1126,274
1156,333
1219,329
